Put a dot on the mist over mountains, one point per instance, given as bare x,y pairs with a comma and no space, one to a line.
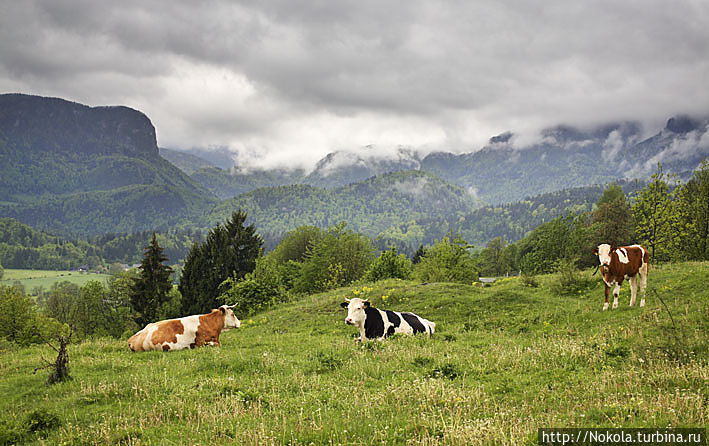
74,170
502,171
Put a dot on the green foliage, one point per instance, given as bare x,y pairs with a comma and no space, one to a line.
613,192
389,265
257,290
2,271
296,243
230,251
339,258
93,309
613,219
498,258
152,286
655,215
543,247
447,261
570,280
17,315
20,322
693,216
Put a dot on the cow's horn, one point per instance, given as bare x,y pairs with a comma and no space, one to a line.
346,299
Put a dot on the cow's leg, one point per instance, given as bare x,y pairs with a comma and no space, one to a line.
643,283
633,289
605,305
616,292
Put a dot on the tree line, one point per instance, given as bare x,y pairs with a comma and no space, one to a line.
669,218
230,265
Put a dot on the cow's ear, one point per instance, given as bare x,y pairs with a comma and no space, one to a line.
366,304
595,251
344,304
222,310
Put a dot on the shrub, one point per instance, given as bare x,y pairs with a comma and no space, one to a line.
388,265
447,261
42,420
20,322
257,290
529,279
340,257
570,281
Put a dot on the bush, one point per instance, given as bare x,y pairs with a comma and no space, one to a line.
20,322
42,420
257,290
528,279
447,261
571,281
339,258
389,265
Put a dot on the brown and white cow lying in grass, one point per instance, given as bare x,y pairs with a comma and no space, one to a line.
624,262
185,332
374,323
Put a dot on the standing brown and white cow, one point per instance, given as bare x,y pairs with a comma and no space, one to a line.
185,332
624,262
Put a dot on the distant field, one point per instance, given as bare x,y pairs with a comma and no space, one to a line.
506,360
31,278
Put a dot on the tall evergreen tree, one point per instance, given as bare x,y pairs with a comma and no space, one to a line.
230,251
152,287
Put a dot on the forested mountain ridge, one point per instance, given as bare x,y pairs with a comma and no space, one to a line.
72,169
370,206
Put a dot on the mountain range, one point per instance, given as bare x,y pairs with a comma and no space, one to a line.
501,171
74,170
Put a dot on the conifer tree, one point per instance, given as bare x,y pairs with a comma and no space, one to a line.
230,251
152,287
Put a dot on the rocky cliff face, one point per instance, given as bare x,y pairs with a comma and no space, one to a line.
34,123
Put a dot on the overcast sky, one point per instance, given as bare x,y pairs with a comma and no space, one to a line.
287,81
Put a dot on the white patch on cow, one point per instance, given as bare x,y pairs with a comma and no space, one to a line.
604,254
148,341
622,255
190,326
616,292
356,316
605,306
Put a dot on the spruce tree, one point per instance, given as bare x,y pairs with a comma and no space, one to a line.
152,287
230,251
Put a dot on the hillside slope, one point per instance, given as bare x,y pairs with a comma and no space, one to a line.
370,206
61,160
505,360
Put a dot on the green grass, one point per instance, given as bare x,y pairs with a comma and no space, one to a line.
506,360
31,278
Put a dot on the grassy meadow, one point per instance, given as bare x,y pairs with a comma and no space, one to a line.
506,360
33,278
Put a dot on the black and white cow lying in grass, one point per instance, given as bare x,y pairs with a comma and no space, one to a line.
374,323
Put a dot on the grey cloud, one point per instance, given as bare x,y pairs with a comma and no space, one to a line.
275,71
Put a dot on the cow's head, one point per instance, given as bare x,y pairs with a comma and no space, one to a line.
604,254
230,320
355,310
